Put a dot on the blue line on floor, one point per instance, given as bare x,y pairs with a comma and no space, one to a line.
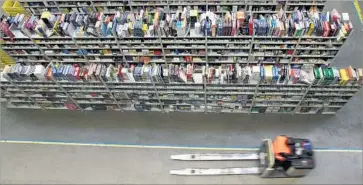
119,145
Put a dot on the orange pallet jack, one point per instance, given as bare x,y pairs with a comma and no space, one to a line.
283,157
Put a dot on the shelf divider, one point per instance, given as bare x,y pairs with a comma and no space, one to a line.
254,96
205,94
302,98
111,94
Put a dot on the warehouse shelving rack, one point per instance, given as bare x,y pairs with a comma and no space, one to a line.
110,6
121,48
205,97
250,48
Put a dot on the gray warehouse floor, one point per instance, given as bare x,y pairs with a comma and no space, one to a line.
50,164
339,139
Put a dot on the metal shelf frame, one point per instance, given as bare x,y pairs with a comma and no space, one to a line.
206,92
157,88
251,55
158,3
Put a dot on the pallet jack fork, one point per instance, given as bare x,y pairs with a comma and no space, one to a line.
284,157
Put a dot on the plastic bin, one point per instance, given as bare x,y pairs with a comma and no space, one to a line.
12,8
5,59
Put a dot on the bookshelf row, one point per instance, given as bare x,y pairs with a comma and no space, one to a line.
306,36
300,89
110,6
180,50
248,56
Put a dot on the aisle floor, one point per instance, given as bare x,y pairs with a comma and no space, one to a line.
55,164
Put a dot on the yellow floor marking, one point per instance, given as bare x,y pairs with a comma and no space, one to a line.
359,11
157,147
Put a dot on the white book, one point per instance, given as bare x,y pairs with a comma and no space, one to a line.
108,73
182,75
255,75
125,77
39,72
345,17
130,76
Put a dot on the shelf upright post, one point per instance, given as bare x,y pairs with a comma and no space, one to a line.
162,47
103,82
56,4
93,7
251,44
119,46
302,98
205,93
79,48
206,47
163,51
296,46
111,94
157,94
286,5
206,5
152,81
61,87
167,3
206,68
130,5
28,96
254,97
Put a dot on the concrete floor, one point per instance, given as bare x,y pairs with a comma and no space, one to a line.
49,164
29,163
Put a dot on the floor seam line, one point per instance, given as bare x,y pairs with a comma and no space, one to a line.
161,146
